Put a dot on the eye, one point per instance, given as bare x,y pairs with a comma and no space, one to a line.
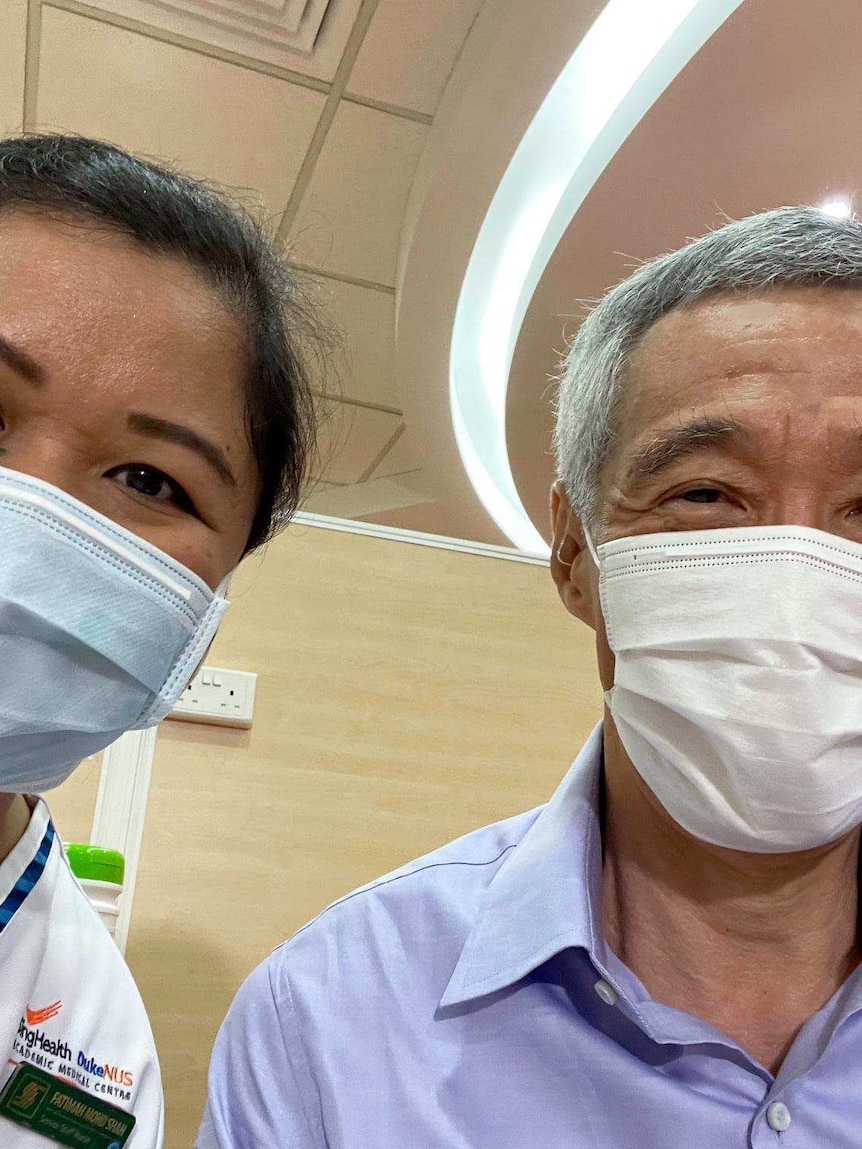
153,484
701,495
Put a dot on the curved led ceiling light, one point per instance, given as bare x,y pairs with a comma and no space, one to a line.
626,60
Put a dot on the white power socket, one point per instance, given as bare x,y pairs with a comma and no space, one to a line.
219,697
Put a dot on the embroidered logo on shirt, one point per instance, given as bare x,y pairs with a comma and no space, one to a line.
37,1046
40,1016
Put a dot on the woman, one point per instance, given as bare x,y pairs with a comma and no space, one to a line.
155,424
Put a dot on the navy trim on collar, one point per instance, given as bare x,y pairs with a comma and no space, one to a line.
31,875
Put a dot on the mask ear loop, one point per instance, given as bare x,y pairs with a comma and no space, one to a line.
591,547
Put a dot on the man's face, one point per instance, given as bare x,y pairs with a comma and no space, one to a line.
122,383
737,413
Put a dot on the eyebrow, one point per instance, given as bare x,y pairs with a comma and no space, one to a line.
21,363
185,437
27,367
668,447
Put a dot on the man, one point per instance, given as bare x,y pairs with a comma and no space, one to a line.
666,955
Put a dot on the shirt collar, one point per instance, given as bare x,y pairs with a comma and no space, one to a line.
546,896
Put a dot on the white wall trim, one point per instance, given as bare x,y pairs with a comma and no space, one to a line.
121,810
418,538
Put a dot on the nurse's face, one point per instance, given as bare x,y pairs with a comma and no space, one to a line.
122,383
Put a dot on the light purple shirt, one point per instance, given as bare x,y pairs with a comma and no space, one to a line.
469,1001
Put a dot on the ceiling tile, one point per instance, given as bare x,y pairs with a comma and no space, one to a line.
365,322
322,499
350,219
277,25
409,51
179,105
361,499
398,460
13,39
279,32
351,439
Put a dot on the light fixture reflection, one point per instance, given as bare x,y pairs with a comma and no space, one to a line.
631,53
837,208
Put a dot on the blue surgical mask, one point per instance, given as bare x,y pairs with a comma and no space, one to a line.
100,632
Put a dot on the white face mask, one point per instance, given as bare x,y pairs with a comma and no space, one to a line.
738,685
99,632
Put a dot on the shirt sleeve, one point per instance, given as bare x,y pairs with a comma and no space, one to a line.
260,1092
149,1110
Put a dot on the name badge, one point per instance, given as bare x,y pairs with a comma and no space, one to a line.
63,1113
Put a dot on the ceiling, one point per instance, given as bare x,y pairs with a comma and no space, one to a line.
372,135
769,112
766,113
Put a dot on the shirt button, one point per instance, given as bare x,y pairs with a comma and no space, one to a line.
607,993
778,1116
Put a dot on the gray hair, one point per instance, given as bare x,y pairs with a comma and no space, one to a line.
789,246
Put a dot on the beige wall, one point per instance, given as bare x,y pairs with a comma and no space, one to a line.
407,695
73,804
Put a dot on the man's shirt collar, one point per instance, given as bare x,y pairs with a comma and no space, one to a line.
546,897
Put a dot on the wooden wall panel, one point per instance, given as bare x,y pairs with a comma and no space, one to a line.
407,695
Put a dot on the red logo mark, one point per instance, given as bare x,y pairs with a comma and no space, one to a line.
40,1016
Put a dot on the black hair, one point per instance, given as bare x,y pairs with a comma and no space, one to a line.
171,213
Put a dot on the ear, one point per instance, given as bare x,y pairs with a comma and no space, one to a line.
572,567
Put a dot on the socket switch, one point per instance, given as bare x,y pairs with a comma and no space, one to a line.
218,697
